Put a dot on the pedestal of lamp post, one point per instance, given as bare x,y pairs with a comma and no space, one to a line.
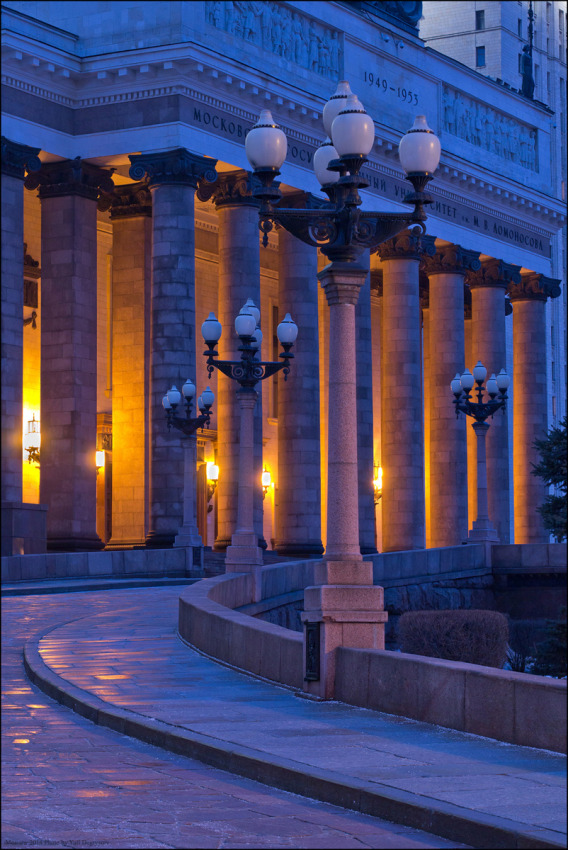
244,553
188,535
343,608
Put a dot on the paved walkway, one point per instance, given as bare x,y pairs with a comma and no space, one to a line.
125,666
70,783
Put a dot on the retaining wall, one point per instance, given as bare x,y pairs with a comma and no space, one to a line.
514,707
117,564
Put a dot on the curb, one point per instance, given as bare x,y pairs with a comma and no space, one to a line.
445,819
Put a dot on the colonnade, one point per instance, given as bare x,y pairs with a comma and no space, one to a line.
423,447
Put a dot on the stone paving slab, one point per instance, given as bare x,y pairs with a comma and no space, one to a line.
127,668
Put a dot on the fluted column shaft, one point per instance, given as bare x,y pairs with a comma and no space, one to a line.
172,178
364,361
299,479
402,434
529,401
488,344
15,157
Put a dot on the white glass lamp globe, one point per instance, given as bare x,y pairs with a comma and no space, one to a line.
200,404
419,150
252,308
287,330
491,385
257,338
266,144
188,389
245,323
353,131
322,157
165,404
455,384
334,105
174,395
503,380
467,380
211,328
479,372
207,397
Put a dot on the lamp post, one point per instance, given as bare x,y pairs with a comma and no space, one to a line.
343,609
244,554
482,530
188,535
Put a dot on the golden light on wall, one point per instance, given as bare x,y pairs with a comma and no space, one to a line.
31,437
266,482
378,483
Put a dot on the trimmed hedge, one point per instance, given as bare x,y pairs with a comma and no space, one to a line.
477,637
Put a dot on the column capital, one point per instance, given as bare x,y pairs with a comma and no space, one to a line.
130,201
231,188
408,245
71,177
175,167
17,158
493,273
450,259
342,282
533,287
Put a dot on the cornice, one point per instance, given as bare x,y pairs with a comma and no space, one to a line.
54,75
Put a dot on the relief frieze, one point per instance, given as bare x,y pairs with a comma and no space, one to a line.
284,32
488,128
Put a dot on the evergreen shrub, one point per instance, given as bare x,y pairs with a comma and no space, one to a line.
475,636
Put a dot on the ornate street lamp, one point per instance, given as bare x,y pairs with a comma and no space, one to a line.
482,529
334,613
244,553
188,535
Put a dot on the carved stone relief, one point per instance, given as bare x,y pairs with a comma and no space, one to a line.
284,32
485,127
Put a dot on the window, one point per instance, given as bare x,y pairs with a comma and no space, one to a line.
480,57
520,63
480,20
548,82
275,352
520,27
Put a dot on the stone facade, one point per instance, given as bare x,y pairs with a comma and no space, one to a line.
148,222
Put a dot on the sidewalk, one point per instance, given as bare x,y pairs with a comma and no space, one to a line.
129,671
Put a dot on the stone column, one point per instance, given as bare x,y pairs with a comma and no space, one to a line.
299,479
343,609
470,434
172,178
69,192
376,319
425,311
244,554
364,370
488,285
239,279
401,404
448,442
529,400
482,529
131,215
15,159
